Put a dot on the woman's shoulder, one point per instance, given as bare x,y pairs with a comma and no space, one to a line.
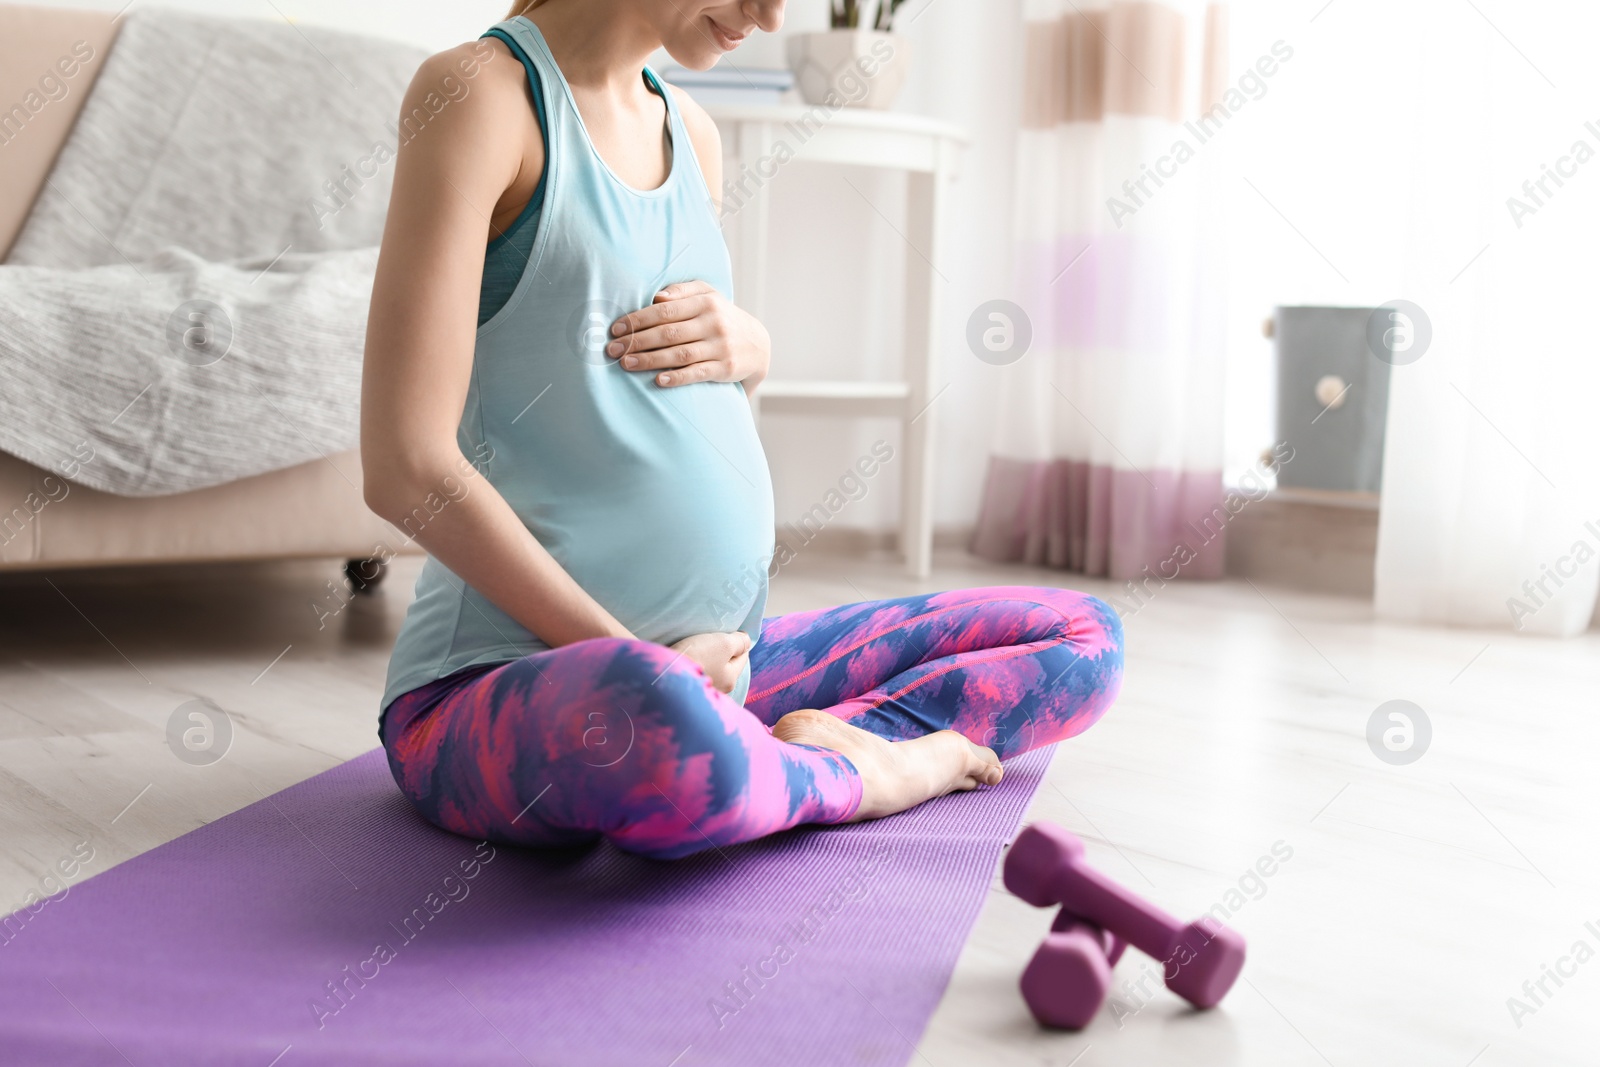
466,98
465,131
485,68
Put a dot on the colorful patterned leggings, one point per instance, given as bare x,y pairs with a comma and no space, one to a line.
629,741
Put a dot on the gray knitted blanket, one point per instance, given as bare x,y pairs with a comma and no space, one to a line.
186,304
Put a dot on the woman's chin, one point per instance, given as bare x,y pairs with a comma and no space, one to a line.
697,55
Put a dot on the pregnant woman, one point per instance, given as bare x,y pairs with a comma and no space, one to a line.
555,405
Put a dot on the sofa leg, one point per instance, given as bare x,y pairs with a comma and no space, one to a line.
365,575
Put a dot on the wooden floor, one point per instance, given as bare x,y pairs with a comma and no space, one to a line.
1415,900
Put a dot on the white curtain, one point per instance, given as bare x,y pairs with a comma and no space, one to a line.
1108,458
1491,482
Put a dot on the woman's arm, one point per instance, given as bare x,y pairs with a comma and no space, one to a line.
421,334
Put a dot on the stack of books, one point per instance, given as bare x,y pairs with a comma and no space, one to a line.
730,85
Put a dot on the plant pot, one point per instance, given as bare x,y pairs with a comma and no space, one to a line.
849,68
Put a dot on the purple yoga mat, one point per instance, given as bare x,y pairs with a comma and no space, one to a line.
330,924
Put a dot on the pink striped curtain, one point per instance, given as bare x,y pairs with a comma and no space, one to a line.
1108,458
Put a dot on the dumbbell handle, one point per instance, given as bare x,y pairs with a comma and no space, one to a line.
1087,893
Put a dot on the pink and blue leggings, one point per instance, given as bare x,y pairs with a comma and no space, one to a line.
629,741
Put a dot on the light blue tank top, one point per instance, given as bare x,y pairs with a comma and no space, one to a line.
657,501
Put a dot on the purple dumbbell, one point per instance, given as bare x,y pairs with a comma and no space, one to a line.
1045,866
1068,978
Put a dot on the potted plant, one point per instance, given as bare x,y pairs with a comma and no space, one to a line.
851,65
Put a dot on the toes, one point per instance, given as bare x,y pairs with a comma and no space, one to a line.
987,775
985,765
987,769
984,776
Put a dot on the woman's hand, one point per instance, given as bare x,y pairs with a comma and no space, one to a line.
691,333
721,656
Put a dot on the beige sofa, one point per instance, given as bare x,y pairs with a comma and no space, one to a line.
311,510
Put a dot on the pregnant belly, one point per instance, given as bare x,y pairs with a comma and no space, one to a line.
673,533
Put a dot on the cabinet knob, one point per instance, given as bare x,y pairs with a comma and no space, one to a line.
1331,391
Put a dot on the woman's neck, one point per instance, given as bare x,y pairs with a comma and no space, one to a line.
600,45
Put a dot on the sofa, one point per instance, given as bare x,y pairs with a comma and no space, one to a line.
312,510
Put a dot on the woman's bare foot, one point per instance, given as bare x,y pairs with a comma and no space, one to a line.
895,775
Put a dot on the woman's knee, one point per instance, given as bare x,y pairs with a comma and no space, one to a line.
1098,637
1089,651
1090,625
1107,624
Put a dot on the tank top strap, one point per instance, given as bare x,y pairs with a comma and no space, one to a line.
556,97
674,118
681,141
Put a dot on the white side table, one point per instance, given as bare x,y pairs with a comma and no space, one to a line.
757,141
